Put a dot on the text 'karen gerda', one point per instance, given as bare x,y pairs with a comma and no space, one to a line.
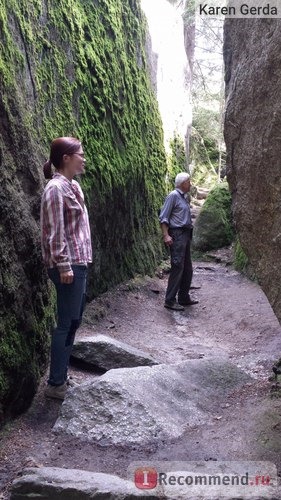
232,11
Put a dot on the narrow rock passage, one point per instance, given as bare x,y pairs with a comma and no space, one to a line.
232,325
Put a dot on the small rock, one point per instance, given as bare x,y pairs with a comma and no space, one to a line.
106,353
226,405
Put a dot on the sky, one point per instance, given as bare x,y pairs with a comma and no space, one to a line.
166,30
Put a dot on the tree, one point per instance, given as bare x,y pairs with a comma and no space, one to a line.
207,149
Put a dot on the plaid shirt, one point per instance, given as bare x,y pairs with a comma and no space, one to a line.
65,231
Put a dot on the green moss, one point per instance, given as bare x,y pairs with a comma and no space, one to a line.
23,358
213,228
91,81
176,160
75,68
241,260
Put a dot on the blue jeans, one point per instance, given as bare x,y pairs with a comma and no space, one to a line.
70,306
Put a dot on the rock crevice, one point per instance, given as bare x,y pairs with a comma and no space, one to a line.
252,133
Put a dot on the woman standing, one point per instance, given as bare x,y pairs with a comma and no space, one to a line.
66,249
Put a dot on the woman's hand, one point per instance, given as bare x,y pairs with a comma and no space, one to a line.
66,278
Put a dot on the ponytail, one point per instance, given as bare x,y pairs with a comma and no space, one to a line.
47,169
60,147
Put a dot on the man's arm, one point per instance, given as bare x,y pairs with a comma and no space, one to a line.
168,240
164,218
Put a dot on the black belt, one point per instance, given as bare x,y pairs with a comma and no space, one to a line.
182,228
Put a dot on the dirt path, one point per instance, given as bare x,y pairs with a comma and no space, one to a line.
233,320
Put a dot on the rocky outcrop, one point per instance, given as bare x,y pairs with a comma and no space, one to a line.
252,54
52,483
213,227
106,353
70,69
26,310
146,405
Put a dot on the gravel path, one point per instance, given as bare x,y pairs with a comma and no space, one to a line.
233,320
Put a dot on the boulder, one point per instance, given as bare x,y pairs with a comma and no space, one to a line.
52,483
146,405
252,54
105,352
213,227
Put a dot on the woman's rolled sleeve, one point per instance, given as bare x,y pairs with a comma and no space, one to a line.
55,224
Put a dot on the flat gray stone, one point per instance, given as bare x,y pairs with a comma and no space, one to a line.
106,353
52,483
145,405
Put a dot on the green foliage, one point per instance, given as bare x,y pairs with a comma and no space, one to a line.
207,149
203,152
176,160
74,68
203,176
204,147
213,228
206,124
241,261
240,258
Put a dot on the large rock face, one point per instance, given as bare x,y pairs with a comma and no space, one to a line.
72,68
252,53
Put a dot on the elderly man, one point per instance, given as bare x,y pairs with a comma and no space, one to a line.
176,224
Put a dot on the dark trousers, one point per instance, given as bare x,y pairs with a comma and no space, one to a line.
70,306
181,266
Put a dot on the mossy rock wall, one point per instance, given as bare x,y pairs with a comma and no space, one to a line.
213,227
72,68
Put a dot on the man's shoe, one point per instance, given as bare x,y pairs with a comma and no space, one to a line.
174,306
189,302
56,391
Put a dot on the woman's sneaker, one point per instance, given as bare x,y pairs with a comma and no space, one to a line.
56,391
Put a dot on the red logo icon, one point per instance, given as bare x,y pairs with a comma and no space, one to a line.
146,478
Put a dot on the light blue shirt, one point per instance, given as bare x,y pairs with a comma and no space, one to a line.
176,210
